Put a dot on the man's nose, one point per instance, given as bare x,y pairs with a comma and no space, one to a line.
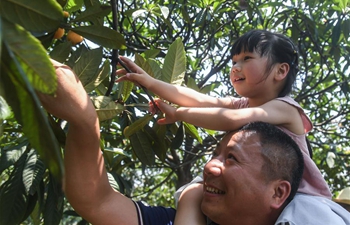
213,167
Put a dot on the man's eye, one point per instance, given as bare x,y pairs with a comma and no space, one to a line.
231,156
233,63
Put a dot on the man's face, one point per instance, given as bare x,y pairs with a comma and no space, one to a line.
234,186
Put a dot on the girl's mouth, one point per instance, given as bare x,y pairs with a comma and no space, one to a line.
238,79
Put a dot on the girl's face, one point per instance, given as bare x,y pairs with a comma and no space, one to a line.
248,74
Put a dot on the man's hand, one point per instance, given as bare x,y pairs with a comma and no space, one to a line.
70,101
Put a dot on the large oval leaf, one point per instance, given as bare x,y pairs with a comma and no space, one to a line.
102,74
13,203
101,35
179,137
54,204
33,172
27,109
106,108
125,89
87,66
190,129
142,148
158,140
175,63
28,50
10,154
92,12
33,15
137,125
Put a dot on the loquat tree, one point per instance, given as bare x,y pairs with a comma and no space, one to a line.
185,42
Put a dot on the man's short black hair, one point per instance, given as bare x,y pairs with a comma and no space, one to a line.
283,157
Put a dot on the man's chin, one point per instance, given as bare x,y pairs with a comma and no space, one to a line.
208,209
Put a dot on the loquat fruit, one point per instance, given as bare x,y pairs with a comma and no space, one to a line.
65,14
59,33
74,38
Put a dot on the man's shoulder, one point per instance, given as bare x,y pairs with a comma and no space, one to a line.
313,210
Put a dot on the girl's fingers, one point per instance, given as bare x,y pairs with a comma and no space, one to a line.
161,121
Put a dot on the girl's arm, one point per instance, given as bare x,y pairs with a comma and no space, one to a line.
173,93
189,206
274,112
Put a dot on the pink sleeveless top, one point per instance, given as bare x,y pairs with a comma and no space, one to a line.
312,182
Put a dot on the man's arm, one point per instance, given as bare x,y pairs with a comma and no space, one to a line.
85,184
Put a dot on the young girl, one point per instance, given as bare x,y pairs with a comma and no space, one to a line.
264,69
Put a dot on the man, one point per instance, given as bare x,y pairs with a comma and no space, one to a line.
253,174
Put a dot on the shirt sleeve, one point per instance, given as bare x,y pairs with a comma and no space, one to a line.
155,215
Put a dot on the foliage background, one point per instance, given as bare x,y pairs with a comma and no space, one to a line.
185,42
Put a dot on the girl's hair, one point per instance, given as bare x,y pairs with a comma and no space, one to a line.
277,47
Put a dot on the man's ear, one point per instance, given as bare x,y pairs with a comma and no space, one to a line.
282,190
282,71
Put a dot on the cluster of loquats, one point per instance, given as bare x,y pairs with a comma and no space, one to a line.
73,37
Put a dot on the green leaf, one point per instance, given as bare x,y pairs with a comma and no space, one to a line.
106,108
346,29
62,2
10,155
28,50
200,18
34,15
74,5
28,111
336,33
57,130
140,61
152,53
158,142
191,83
12,196
5,111
87,66
174,63
53,210
125,89
343,4
93,12
61,51
179,137
190,129
112,181
210,87
33,172
164,10
102,74
101,35
0,37
156,70
137,125
142,147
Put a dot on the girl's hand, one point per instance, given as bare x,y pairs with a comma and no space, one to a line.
168,110
139,76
